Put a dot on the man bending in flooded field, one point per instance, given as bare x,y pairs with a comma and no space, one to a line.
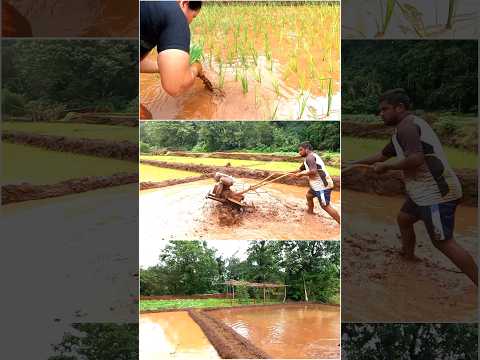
433,189
165,25
321,184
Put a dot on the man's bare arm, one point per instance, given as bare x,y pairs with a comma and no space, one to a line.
176,74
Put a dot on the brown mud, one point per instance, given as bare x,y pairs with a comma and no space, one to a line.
378,285
242,156
295,331
209,86
391,183
276,211
173,335
26,192
146,185
228,343
122,150
234,171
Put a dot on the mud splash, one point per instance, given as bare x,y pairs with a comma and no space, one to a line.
277,211
378,285
173,335
122,150
290,332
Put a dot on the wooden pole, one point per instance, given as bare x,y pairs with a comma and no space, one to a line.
264,294
285,296
233,292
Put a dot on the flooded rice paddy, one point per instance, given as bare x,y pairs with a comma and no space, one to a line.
75,130
173,335
290,332
23,163
271,61
155,173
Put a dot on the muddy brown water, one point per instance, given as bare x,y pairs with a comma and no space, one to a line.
259,103
276,211
291,332
173,335
378,285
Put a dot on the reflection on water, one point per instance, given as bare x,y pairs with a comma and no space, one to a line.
172,335
290,332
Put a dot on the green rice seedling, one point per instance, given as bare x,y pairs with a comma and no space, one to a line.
388,15
221,76
302,104
274,114
254,54
196,53
244,83
276,87
330,96
258,75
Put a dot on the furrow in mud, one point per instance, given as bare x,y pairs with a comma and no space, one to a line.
26,192
146,185
122,150
234,171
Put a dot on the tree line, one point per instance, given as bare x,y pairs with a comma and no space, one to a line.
439,75
98,74
311,269
261,136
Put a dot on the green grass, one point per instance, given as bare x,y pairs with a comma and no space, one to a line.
155,173
358,148
251,164
194,303
38,166
89,131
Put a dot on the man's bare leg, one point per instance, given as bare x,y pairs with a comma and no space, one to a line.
460,257
332,212
310,203
405,223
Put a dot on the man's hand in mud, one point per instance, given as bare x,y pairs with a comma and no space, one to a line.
380,167
197,69
295,175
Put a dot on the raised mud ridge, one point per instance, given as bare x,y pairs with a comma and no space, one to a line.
391,183
122,150
234,171
241,156
145,185
101,118
226,341
26,192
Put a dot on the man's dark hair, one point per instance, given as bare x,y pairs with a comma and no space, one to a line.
195,5
306,145
396,97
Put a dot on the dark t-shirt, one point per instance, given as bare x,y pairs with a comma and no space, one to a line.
163,25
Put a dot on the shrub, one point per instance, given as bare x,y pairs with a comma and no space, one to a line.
12,103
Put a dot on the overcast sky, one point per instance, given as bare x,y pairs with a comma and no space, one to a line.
149,252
